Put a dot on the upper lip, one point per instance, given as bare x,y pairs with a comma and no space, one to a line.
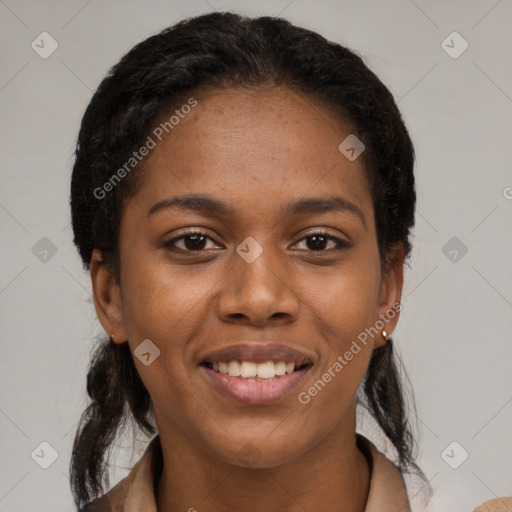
257,353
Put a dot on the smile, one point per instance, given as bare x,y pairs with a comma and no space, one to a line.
254,371
255,374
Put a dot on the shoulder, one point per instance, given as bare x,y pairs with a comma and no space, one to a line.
101,504
136,490
388,491
112,501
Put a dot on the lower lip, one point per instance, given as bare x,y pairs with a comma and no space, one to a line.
255,392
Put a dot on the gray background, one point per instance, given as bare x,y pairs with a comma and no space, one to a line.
454,331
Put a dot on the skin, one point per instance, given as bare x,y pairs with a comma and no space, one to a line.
255,151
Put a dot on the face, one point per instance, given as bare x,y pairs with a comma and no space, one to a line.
276,271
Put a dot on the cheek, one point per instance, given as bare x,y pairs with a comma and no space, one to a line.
167,308
346,300
342,317
344,309
159,307
159,303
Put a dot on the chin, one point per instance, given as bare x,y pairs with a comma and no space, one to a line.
259,453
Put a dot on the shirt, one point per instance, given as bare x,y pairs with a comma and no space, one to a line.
136,492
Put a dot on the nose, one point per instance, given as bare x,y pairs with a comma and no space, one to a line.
259,292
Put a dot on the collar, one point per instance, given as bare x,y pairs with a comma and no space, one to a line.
136,491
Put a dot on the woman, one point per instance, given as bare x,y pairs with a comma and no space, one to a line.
243,195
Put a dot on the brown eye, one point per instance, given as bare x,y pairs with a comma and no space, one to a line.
190,241
318,241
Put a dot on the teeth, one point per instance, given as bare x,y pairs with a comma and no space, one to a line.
280,368
234,368
266,370
249,369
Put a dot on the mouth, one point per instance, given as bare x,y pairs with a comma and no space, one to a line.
256,374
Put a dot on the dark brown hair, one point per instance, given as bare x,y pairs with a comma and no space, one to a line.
222,50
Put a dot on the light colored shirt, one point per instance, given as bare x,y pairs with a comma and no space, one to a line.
136,492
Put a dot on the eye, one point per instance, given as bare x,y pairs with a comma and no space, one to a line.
320,238
196,240
192,240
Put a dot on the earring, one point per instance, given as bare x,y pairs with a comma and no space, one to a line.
111,339
387,337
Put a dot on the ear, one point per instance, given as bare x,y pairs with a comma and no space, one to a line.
391,293
107,298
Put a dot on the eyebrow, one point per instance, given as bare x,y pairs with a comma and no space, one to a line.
213,207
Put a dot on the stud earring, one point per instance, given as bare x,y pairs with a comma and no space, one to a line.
387,337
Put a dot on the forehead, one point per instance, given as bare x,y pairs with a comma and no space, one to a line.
254,147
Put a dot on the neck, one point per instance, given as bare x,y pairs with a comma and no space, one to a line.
334,475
